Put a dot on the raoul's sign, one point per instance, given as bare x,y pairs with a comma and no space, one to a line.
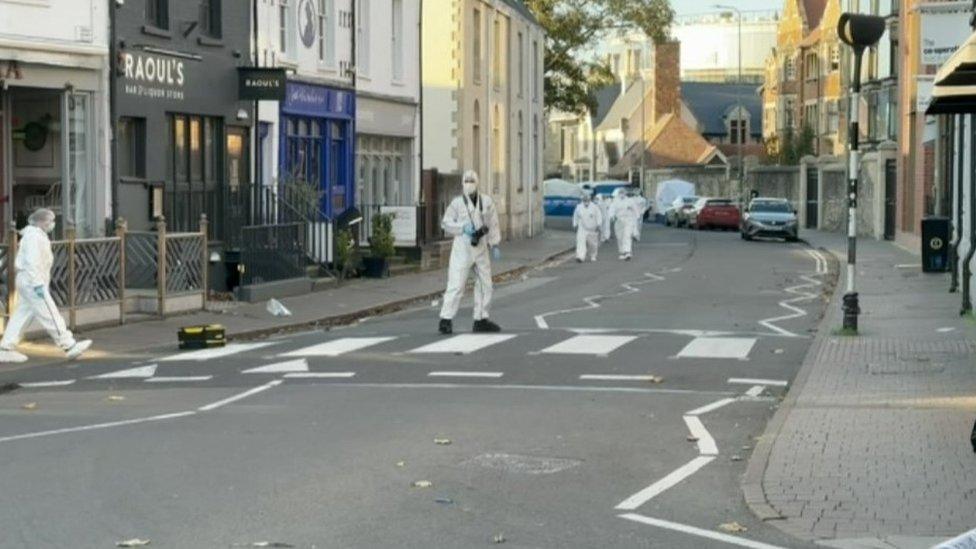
153,76
256,83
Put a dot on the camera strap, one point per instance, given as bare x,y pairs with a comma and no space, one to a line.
481,209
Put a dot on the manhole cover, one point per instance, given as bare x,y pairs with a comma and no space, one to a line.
526,465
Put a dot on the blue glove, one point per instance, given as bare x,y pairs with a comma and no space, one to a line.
469,229
39,291
496,253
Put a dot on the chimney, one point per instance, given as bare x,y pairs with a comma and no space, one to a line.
665,86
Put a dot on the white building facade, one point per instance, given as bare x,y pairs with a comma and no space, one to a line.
710,45
54,99
387,102
484,104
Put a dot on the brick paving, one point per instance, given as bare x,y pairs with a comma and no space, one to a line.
875,440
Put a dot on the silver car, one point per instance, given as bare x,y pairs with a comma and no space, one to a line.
770,217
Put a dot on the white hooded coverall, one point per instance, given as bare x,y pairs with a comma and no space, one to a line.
640,206
603,201
622,212
33,265
464,256
588,222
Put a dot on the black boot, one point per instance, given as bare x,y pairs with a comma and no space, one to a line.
485,325
445,326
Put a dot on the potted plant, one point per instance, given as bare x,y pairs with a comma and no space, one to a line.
381,247
347,256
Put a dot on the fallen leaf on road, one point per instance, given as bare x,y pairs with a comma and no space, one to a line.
654,379
29,406
134,542
115,398
779,351
498,538
444,501
422,484
732,527
736,458
747,447
442,441
691,438
401,464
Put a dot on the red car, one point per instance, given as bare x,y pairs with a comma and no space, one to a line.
715,213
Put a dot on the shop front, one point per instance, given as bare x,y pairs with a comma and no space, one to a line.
52,147
316,143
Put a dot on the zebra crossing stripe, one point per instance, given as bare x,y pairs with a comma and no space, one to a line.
141,371
338,347
217,352
463,344
718,347
589,345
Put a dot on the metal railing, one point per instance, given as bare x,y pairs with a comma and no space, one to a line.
273,252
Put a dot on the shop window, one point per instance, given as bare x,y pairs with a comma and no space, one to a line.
157,13
476,45
397,39
132,148
326,32
210,18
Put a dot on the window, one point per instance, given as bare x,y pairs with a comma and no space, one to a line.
362,37
536,153
789,68
834,57
496,149
132,147
397,39
789,113
476,139
210,18
535,76
285,28
326,32
157,13
811,117
521,65
192,184
476,46
813,66
520,176
832,123
496,54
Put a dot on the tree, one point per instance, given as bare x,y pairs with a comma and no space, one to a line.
792,148
573,26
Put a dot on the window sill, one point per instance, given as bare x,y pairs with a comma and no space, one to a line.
153,30
130,180
209,41
399,83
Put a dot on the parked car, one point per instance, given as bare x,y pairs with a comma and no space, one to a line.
772,217
674,216
714,213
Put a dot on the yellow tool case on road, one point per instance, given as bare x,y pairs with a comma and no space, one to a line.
201,337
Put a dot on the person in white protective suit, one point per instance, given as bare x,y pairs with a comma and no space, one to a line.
623,216
473,222
33,265
603,201
588,222
640,206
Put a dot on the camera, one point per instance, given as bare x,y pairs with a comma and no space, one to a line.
476,237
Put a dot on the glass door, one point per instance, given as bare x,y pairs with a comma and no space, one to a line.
77,197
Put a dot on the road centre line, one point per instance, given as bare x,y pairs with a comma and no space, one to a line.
616,377
42,384
493,375
239,396
177,379
706,444
756,381
320,375
701,532
97,426
555,388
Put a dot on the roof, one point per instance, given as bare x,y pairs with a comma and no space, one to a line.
671,142
814,10
519,6
624,104
710,101
605,97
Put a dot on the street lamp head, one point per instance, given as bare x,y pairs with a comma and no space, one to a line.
860,31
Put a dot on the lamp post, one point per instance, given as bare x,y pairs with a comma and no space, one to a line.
859,32
739,137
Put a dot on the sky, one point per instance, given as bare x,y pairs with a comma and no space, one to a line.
686,7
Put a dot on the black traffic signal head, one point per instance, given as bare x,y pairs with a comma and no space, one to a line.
860,31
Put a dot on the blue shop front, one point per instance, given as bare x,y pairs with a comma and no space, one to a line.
317,140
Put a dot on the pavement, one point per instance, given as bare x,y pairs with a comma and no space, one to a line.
617,409
870,448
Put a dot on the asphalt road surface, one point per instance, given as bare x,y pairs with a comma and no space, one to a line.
617,409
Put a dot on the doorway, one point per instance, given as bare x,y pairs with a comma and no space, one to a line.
890,199
813,197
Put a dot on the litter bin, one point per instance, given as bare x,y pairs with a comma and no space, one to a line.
935,244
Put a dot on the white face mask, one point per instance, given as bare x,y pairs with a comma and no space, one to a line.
50,228
469,188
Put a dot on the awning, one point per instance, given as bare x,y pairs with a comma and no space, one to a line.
953,100
960,69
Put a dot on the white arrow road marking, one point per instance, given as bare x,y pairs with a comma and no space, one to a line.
338,347
42,384
300,365
589,345
141,371
701,532
218,352
718,347
464,343
755,381
673,478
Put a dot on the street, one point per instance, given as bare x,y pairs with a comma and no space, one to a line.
617,408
